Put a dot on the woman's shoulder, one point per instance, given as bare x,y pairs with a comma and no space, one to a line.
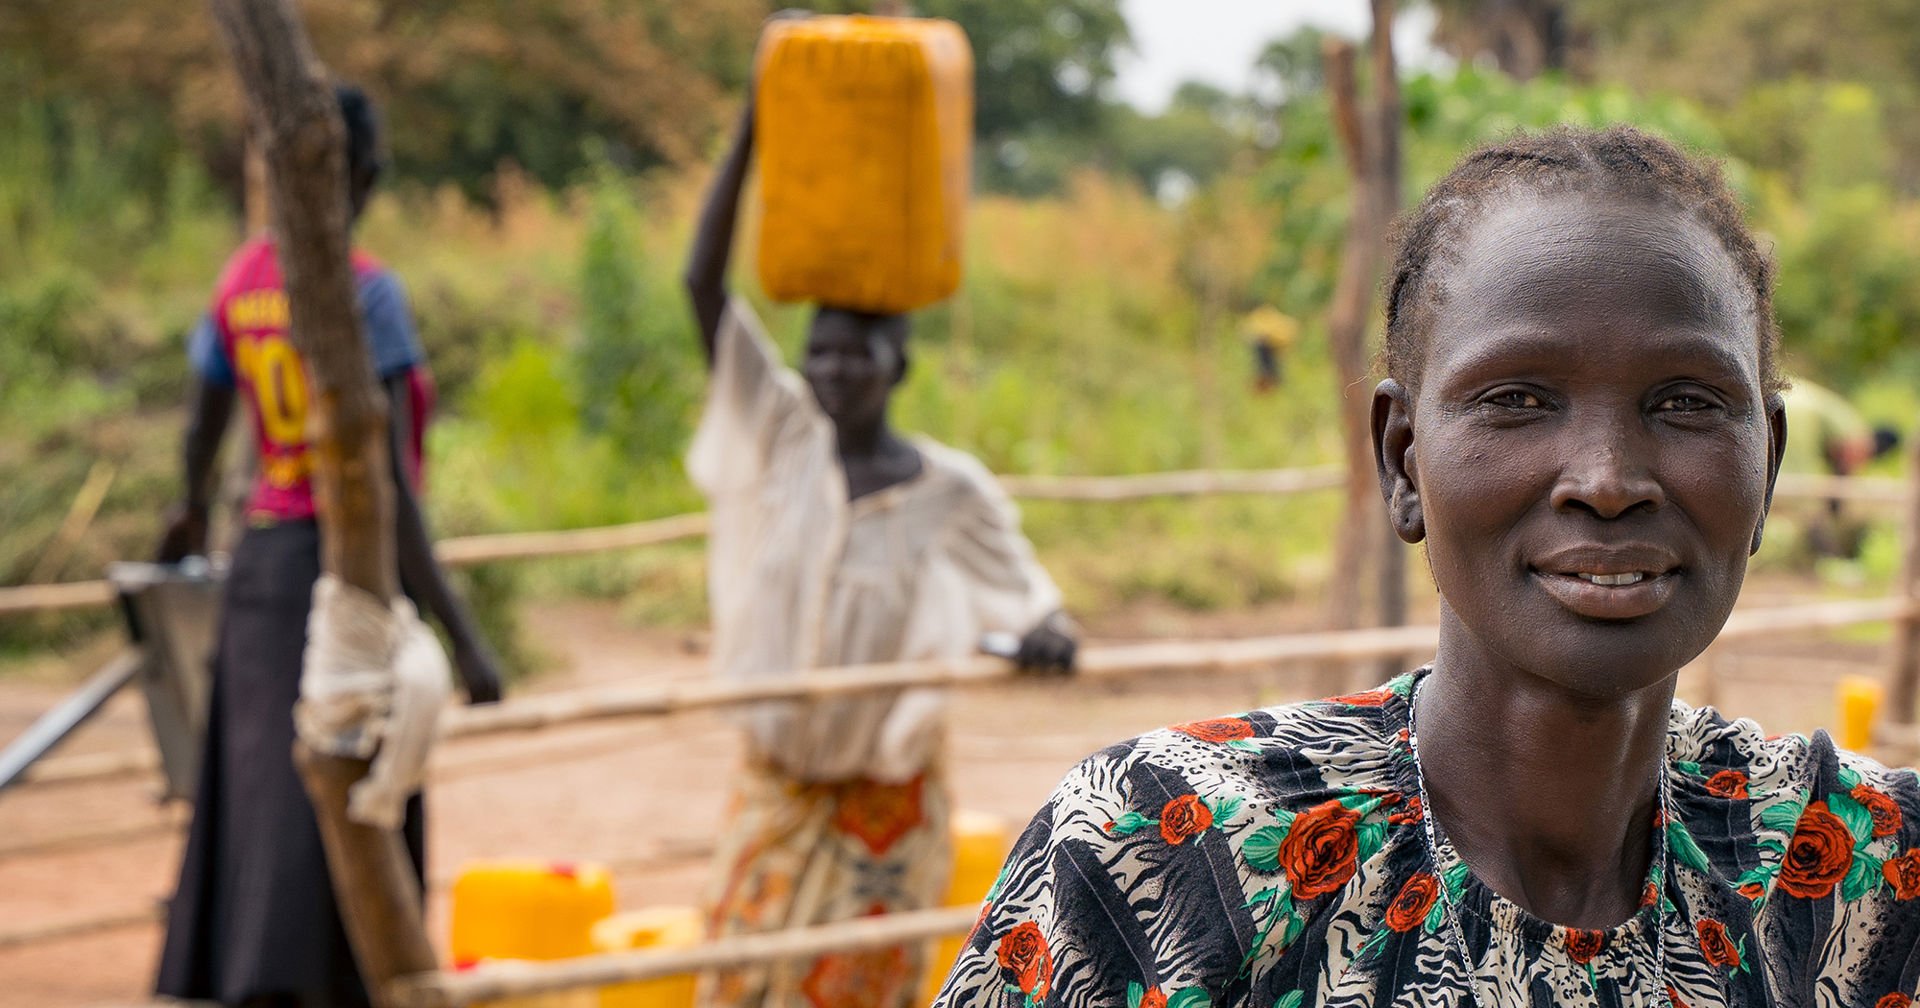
1791,815
962,468
1283,758
1731,758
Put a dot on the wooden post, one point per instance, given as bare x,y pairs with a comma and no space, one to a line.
1903,679
1370,137
297,121
1382,131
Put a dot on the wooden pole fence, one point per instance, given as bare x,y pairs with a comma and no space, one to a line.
664,854
297,117
1903,673
551,710
468,550
507,980
556,710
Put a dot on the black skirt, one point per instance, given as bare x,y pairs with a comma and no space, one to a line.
254,916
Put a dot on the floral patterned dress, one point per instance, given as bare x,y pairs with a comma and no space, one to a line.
1278,860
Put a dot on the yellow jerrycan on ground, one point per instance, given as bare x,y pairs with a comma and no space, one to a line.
529,910
980,846
663,927
864,132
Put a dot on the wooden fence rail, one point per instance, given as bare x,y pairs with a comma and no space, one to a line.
494,982
550,710
467,550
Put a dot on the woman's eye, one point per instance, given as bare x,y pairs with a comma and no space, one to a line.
1685,402
1515,399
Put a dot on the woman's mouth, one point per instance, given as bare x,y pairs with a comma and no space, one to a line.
1610,595
1609,581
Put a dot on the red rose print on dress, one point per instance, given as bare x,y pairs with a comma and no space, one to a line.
1903,873
1583,945
1818,854
1411,906
1880,805
1184,817
1893,1000
1321,850
1371,698
1023,956
1217,729
1716,946
1728,784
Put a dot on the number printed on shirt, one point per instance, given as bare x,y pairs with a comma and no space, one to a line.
272,368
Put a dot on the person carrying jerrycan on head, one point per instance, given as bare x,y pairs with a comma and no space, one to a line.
837,541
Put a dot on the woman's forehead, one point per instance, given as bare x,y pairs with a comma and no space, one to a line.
1629,274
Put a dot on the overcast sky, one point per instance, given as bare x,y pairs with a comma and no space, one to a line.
1217,40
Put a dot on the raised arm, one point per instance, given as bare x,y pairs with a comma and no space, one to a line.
186,533
420,572
706,276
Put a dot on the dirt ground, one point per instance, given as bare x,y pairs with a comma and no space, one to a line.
84,867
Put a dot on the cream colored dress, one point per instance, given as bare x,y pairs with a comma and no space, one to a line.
841,810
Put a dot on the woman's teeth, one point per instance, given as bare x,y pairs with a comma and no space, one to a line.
1613,580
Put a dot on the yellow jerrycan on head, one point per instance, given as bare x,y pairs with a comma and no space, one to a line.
864,131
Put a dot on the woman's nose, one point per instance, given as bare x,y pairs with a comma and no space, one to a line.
1609,472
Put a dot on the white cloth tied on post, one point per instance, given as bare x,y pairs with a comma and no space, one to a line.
373,684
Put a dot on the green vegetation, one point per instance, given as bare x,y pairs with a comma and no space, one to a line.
1109,265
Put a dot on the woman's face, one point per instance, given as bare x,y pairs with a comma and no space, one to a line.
1589,453
851,366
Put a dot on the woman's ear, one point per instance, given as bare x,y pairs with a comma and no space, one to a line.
1776,450
1393,456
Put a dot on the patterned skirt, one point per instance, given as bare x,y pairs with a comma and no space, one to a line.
795,853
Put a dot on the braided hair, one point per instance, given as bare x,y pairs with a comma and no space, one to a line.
1619,160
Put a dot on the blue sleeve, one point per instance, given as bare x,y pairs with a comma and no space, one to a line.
207,355
391,338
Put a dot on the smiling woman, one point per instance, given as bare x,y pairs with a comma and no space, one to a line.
1582,423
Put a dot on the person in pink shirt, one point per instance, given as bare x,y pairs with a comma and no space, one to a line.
253,921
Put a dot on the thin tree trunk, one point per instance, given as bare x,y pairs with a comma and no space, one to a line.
1370,136
1903,679
1382,131
297,120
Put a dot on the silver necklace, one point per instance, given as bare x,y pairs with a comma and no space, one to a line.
1456,933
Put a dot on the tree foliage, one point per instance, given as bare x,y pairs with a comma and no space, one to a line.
463,85
1734,55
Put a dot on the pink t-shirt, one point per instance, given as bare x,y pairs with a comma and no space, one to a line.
242,343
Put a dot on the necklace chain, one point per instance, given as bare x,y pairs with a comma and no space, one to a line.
1456,933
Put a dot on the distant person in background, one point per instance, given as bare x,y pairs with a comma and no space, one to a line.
836,541
1831,438
253,921
1270,333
